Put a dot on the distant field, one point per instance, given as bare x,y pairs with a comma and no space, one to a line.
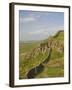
34,53
24,47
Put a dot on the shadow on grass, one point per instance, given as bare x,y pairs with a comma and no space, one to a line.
35,71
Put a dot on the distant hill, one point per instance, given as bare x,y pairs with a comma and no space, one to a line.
47,54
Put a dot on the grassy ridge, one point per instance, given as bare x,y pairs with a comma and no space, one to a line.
31,55
55,66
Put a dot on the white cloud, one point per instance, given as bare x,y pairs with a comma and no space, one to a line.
45,31
35,15
27,19
60,28
37,32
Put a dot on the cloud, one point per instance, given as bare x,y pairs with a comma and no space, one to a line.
27,19
60,28
38,32
45,31
35,15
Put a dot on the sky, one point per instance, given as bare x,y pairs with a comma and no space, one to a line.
39,25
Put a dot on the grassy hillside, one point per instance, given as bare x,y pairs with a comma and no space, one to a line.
49,54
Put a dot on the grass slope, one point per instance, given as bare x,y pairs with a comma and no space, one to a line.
31,56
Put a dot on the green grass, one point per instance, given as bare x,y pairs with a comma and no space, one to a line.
26,65
55,66
51,72
24,47
56,54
